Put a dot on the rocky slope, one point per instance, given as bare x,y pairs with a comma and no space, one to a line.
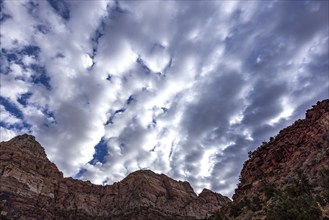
31,187
287,177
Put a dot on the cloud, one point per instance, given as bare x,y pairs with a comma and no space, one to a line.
182,89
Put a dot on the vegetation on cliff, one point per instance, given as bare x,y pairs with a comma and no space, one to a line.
288,176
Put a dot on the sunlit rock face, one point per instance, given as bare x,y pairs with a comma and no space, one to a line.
31,187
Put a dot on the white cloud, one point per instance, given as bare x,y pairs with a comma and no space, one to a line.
7,134
7,117
17,28
12,88
183,89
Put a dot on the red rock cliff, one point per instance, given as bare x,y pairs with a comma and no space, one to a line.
297,156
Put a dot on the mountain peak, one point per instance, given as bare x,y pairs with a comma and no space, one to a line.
143,194
28,144
291,169
317,110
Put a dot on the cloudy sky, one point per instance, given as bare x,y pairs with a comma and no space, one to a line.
184,88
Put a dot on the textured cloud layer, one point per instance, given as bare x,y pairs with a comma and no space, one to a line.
182,88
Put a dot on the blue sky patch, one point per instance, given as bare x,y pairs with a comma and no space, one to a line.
43,29
100,152
153,124
116,10
3,15
109,77
110,120
119,111
95,39
143,65
16,127
130,99
41,76
16,54
24,98
11,107
31,50
32,7
79,174
61,8
11,56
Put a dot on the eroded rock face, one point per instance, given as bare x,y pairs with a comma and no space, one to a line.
31,187
300,149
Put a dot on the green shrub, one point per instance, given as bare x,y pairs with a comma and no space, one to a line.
293,208
255,204
237,208
268,189
295,202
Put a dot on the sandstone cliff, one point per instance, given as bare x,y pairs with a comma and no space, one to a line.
287,177
31,187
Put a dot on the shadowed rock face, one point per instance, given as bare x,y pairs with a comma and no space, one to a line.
298,151
31,187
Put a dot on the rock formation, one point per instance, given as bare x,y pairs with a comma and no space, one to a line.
292,167
31,187
285,178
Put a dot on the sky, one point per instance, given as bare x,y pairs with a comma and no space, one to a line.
184,88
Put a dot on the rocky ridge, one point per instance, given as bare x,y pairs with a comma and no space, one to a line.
291,170
285,178
31,187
